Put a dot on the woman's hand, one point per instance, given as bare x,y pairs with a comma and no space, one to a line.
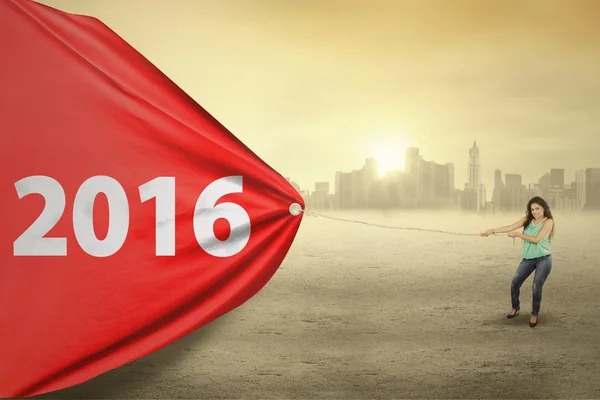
487,233
514,234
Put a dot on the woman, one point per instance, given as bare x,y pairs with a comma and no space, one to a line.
539,229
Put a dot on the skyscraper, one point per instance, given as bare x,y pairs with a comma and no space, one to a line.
497,177
475,174
557,177
412,166
450,179
411,161
592,188
580,189
372,169
498,188
514,180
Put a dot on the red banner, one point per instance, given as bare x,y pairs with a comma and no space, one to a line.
131,216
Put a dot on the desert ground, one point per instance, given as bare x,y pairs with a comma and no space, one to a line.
359,311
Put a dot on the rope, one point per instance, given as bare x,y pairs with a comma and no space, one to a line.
394,227
387,226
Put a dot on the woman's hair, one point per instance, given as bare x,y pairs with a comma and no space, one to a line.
547,212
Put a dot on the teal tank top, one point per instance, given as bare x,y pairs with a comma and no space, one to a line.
533,250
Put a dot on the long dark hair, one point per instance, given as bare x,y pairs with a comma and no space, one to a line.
547,212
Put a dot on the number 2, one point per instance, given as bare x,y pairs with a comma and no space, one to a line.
32,242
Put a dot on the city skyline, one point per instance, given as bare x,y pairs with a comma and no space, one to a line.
427,185
458,182
530,173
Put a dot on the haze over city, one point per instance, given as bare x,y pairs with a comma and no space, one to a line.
318,86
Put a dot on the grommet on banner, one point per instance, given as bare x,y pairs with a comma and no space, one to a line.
295,209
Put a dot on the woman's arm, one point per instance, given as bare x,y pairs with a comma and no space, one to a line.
506,228
546,228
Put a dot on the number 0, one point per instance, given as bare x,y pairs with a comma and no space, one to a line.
83,216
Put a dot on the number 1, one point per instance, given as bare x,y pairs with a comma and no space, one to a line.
163,189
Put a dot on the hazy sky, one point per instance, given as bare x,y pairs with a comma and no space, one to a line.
312,86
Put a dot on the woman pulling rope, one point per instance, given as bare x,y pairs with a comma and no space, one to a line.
539,229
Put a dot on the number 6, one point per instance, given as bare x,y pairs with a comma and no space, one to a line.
206,213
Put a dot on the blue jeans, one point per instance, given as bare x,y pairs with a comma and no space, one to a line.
542,267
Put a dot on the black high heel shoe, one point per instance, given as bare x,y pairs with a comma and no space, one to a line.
532,324
509,315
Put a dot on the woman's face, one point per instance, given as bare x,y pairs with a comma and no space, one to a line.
537,211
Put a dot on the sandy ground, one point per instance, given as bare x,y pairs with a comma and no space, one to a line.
422,316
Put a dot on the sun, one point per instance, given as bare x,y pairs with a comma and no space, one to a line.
389,154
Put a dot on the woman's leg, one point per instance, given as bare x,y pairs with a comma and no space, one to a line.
524,269
543,268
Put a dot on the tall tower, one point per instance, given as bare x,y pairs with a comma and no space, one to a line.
475,173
